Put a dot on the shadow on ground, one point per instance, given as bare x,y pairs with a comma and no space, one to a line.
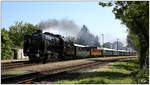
93,77
130,65
79,76
110,76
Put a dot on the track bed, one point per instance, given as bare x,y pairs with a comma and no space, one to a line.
72,65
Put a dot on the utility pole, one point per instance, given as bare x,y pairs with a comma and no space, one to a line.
102,40
117,44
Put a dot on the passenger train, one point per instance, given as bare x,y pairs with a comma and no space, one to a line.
44,47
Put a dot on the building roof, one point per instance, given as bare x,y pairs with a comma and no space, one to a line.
79,45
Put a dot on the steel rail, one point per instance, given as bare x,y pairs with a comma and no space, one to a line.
31,77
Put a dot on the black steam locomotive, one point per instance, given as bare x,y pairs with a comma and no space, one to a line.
46,47
43,47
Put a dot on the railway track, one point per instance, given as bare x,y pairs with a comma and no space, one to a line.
17,64
37,76
11,65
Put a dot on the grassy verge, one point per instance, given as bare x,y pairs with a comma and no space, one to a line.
122,72
12,73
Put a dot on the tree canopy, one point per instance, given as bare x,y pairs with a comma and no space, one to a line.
115,45
135,15
18,31
6,45
14,37
86,38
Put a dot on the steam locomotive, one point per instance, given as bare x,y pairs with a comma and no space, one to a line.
44,47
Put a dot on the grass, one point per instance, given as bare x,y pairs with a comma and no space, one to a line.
13,73
114,73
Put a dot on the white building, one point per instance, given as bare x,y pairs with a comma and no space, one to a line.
20,54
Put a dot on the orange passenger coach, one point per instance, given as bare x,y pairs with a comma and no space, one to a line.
95,52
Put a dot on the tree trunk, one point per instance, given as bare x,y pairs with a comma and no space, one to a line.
143,53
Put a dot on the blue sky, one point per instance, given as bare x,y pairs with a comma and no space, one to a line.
98,19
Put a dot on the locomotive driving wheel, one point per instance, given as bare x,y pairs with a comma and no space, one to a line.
31,60
53,57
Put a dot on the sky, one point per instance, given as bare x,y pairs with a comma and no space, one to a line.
99,20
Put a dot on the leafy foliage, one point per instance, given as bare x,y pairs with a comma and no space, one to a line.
133,42
135,15
18,31
6,45
142,76
14,37
108,45
115,45
84,37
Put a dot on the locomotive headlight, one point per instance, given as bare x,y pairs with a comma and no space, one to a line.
38,55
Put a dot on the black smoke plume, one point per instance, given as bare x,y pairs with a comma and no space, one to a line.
65,26
81,36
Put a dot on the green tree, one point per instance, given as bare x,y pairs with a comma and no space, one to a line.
135,15
18,31
6,45
133,41
84,37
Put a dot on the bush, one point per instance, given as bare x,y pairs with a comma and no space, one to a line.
142,76
6,45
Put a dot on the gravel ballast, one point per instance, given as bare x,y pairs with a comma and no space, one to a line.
62,64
